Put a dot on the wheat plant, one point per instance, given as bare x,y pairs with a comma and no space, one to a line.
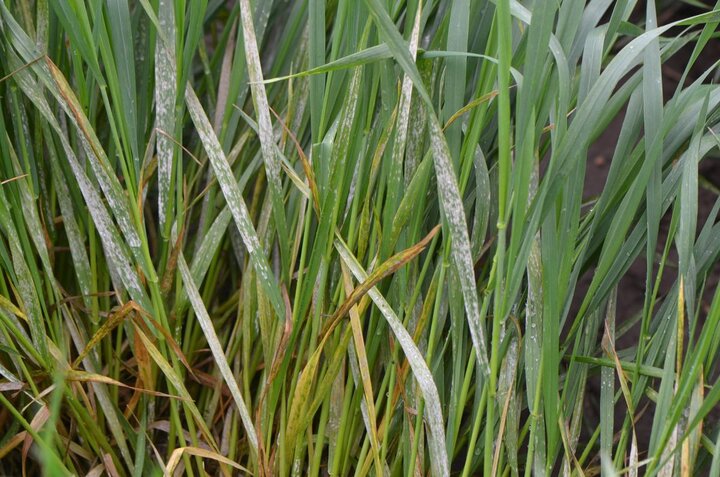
356,237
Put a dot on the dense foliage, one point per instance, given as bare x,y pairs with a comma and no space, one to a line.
309,237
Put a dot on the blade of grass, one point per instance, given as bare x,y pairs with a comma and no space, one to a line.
436,434
265,129
217,351
235,201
